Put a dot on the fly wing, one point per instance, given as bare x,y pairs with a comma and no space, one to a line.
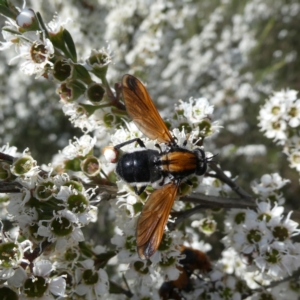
153,219
142,110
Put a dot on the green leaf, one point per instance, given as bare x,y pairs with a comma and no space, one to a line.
70,45
8,10
42,24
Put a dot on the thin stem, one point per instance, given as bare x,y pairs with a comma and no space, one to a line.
222,202
206,202
31,256
224,178
10,187
295,276
117,289
126,283
115,99
6,157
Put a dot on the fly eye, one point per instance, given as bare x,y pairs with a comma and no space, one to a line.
200,154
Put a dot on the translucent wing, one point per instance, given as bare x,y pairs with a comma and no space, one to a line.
142,111
153,219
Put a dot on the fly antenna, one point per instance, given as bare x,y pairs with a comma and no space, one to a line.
210,159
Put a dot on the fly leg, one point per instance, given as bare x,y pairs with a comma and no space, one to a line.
138,140
138,191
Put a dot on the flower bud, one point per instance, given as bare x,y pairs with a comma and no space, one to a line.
109,120
110,154
23,165
4,171
10,256
95,92
90,166
44,191
98,62
61,70
71,90
208,226
27,20
77,203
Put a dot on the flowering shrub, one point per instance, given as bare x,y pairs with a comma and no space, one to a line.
68,226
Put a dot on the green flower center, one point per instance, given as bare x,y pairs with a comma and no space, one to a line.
90,277
9,254
35,287
61,226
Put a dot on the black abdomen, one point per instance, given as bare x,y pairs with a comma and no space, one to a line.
139,166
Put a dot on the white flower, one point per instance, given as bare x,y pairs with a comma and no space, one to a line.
91,282
12,253
78,204
57,25
251,237
213,186
6,149
62,229
80,147
42,268
265,212
280,113
293,114
269,185
196,110
18,278
55,285
25,166
231,261
82,119
125,241
37,54
141,272
124,134
290,225
294,159
98,59
274,129
274,260
206,225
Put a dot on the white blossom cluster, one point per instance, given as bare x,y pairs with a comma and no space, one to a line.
262,238
36,53
279,118
49,210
